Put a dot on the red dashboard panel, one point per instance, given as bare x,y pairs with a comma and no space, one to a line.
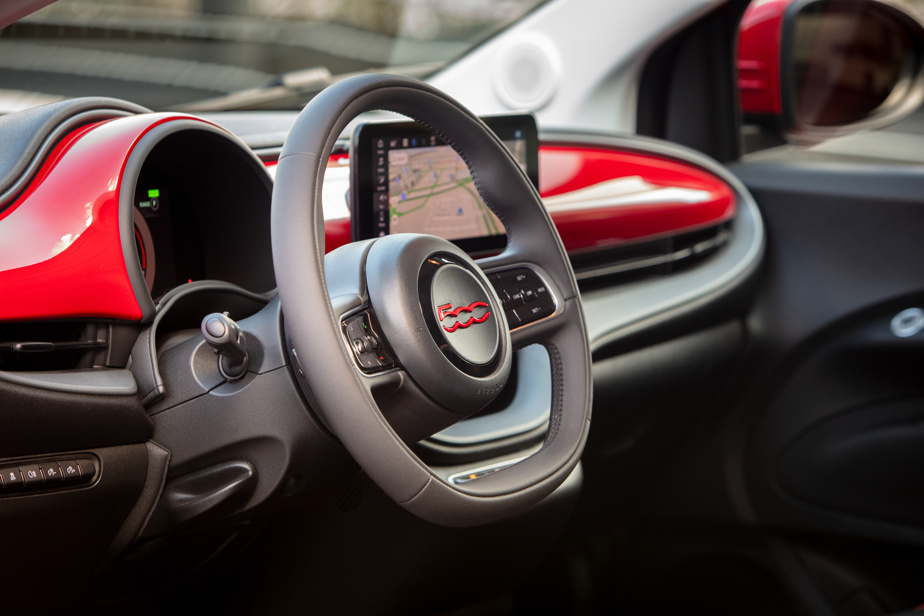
61,250
60,245
600,197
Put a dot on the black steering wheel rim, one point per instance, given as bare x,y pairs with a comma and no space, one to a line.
314,325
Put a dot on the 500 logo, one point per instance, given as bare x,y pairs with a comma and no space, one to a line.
446,310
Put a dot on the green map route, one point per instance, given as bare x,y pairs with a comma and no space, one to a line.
431,191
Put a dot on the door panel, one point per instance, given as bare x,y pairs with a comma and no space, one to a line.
823,444
797,491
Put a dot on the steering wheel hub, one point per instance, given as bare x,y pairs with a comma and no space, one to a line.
464,324
442,318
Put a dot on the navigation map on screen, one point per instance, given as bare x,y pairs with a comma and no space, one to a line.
431,191
414,183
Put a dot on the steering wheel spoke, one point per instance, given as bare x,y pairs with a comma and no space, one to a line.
538,332
532,304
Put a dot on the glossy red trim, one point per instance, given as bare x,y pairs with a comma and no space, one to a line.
759,55
337,233
60,241
565,168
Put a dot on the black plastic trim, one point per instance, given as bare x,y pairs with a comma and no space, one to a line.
39,421
145,365
687,91
98,382
130,175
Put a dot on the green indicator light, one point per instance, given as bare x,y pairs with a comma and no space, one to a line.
153,193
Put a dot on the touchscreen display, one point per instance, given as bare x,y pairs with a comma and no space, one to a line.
421,185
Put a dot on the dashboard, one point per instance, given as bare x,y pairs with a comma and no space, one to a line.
127,228
171,201
191,202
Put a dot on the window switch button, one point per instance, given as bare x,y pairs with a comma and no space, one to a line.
70,473
12,479
32,476
52,473
87,470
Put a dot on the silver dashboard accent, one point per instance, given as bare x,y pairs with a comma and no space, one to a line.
617,311
482,471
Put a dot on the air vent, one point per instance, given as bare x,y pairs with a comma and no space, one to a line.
645,259
53,345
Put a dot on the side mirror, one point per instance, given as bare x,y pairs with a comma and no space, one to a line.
814,69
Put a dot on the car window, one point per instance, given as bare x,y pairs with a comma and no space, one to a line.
169,53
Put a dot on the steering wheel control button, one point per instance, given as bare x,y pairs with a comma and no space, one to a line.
462,308
530,299
32,476
369,350
12,479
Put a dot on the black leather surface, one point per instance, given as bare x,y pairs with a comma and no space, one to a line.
26,134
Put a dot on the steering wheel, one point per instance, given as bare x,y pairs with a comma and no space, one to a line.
401,336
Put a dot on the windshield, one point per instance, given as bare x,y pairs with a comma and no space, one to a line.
232,54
